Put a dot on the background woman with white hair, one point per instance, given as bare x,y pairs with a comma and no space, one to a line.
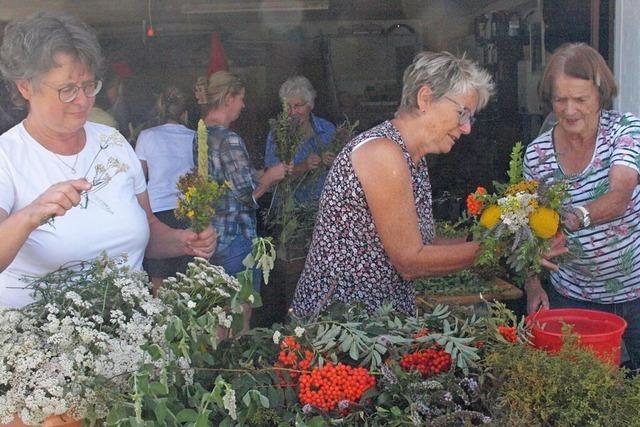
374,231
299,95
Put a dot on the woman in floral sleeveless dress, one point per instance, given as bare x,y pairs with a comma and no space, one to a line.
374,232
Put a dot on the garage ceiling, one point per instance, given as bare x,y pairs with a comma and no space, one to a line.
179,16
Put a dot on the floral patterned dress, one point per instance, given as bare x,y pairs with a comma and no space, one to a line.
346,260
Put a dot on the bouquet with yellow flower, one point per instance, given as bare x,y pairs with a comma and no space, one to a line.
517,222
198,191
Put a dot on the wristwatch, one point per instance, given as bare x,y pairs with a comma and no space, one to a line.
583,214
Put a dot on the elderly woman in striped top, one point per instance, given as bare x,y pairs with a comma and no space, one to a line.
597,151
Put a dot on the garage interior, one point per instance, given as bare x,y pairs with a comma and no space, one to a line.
354,52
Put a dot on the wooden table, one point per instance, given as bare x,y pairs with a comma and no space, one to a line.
503,291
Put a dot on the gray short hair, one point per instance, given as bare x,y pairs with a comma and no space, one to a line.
444,73
30,45
298,87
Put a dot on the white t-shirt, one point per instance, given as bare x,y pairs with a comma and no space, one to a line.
168,151
108,219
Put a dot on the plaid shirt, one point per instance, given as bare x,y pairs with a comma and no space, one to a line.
236,209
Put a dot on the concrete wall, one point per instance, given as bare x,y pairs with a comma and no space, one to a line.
627,55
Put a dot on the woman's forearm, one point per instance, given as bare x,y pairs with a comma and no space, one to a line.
15,230
435,260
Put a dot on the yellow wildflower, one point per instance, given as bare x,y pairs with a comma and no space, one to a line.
490,216
522,187
544,222
190,214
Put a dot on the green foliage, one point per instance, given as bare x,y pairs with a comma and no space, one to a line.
262,256
344,133
291,221
464,282
198,197
516,164
572,388
287,134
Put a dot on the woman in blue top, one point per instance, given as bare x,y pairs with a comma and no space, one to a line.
299,95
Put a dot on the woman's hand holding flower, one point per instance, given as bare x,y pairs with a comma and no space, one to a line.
328,158
56,201
201,244
557,246
312,161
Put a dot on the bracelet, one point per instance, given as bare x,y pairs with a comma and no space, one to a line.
585,220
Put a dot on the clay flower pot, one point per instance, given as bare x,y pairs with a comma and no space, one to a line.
52,421
61,421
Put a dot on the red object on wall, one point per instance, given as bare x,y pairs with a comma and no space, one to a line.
217,60
121,68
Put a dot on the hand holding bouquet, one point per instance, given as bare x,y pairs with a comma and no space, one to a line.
198,191
518,221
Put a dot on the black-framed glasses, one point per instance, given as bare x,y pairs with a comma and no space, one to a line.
70,92
464,115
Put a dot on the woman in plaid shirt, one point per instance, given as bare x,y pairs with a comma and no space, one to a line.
235,220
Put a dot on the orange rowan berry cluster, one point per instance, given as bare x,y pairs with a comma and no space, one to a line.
290,359
474,206
508,333
428,362
325,387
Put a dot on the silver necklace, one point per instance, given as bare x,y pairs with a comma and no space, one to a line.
71,168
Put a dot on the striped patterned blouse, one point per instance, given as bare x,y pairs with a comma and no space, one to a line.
606,263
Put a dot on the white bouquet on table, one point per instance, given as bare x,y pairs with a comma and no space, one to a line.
79,343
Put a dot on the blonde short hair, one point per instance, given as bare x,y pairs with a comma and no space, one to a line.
221,84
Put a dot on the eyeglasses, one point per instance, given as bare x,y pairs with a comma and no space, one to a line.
465,115
70,92
297,106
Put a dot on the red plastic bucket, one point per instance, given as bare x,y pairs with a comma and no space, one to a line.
597,330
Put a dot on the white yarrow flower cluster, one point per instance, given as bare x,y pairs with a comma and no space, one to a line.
55,354
515,210
299,331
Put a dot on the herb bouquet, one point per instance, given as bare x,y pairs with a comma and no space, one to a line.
287,134
198,191
78,342
284,213
344,133
518,221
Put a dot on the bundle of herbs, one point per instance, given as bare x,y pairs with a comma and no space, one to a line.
287,134
344,133
199,193
518,221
